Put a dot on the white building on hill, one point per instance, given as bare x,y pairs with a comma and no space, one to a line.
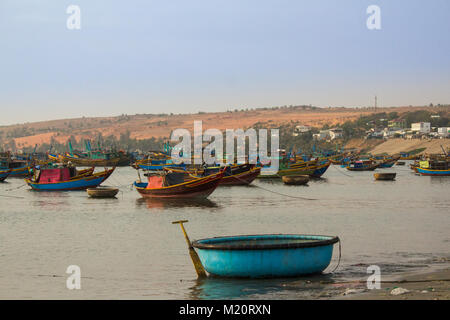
421,127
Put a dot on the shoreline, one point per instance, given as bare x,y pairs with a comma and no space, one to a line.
425,285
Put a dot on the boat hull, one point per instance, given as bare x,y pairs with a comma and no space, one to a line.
431,172
198,188
320,170
365,168
266,261
81,183
384,176
102,192
295,180
244,178
20,172
4,174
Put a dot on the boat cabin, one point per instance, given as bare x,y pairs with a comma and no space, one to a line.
54,175
168,179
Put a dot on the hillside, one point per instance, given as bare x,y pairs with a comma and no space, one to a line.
145,126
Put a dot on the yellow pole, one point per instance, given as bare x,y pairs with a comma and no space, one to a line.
201,273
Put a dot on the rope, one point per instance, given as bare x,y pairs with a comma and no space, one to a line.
339,260
21,186
348,175
283,194
2,195
279,193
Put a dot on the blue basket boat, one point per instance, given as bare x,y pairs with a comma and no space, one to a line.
265,256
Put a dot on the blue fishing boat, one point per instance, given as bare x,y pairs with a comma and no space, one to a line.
157,165
434,167
4,174
19,168
322,166
65,179
433,172
265,256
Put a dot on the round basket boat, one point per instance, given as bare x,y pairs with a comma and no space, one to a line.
385,176
265,256
295,180
102,192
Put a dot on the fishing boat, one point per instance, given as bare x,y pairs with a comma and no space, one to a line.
4,174
320,169
362,165
408,156
156,161
385,176
240,174
170,184
400,163
265,256
85,162
102,192
66,179
386,162
434,168
295,180
293,169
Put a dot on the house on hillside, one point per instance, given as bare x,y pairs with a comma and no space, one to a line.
421,127
335,133
397,124
329,134
444,132
300,129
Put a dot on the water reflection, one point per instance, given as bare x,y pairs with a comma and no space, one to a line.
175,203
233,288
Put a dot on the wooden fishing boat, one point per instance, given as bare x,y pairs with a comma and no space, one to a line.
386,162
432,172
4,174
295,180
400,163
87,162
66,179
102,192
409,157
19,168
362,165
320,169
178,185
385,176
234,175
265,256
434,166
294,169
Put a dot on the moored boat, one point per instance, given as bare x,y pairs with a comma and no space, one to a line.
320,169
66,179
4,174
178,185
241,174
434,167
385,176
362,165
295,180
265,256
102,192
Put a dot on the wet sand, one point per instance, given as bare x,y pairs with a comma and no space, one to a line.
424,286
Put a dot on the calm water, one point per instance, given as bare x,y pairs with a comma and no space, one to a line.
127,247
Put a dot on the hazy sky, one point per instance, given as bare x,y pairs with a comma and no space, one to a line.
208,55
